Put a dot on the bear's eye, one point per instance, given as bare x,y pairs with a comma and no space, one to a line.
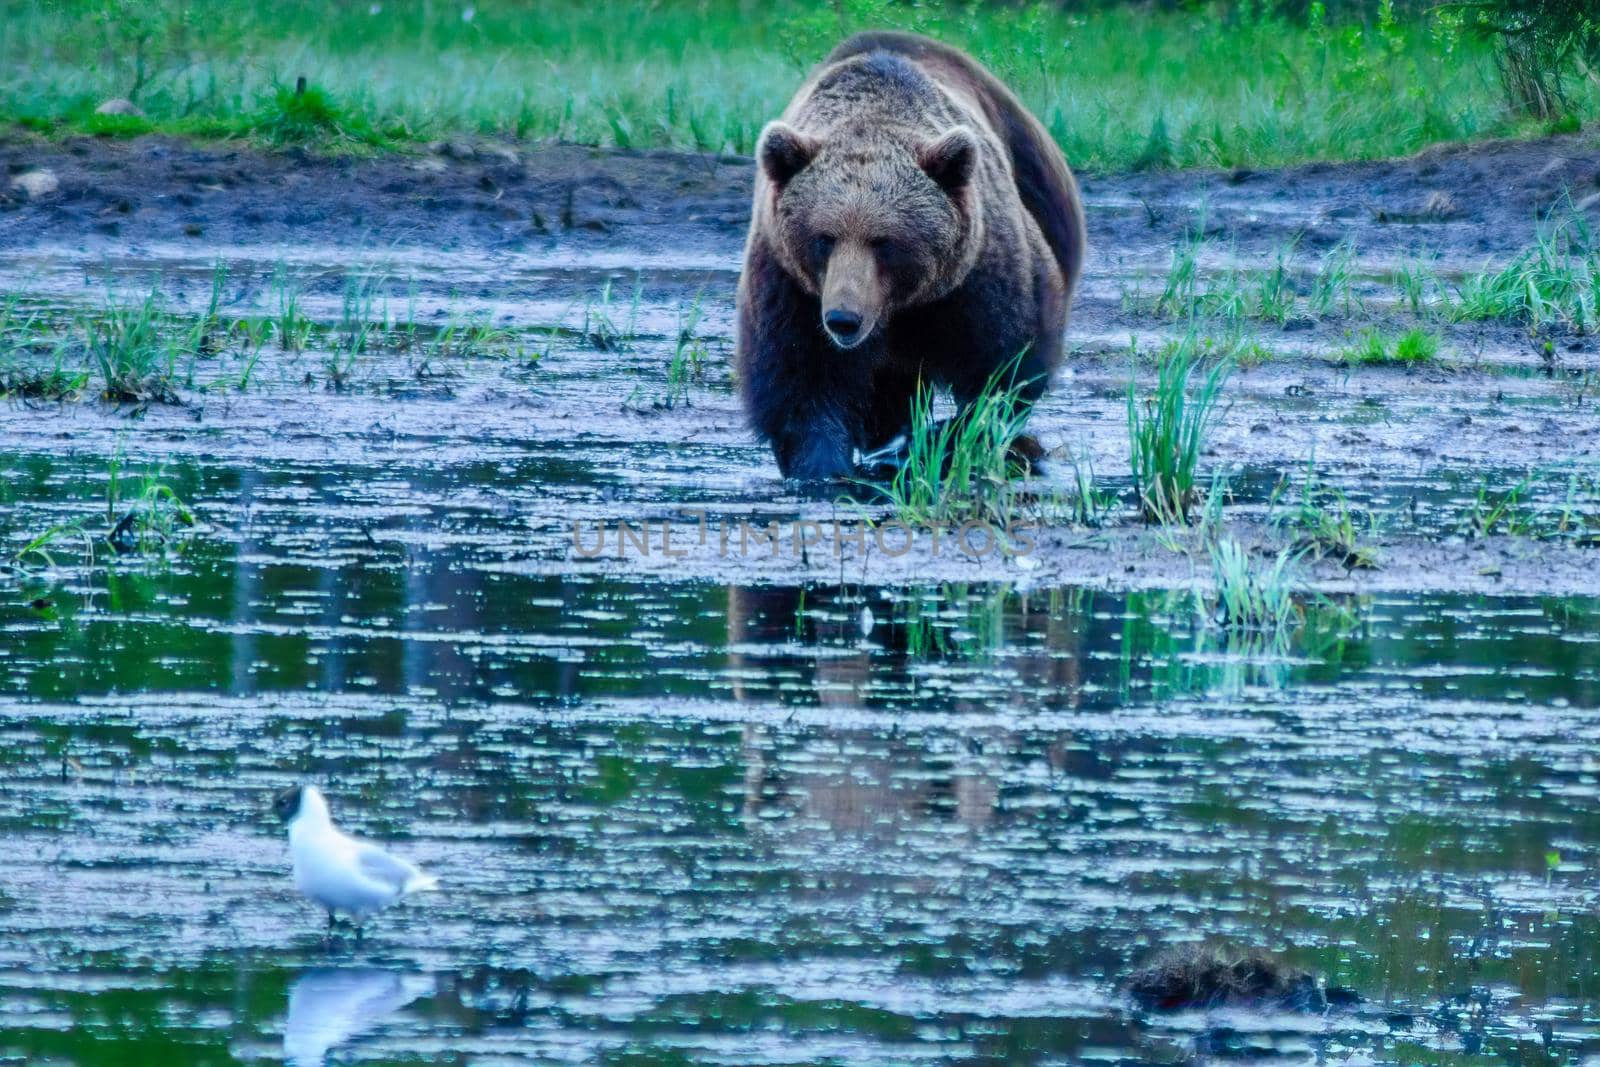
890,253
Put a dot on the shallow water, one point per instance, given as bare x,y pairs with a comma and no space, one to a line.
745,825
702,813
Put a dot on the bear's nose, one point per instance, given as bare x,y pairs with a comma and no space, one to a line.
842,323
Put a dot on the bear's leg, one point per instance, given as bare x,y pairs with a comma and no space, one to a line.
1012,322
889,406
1007,354
803,396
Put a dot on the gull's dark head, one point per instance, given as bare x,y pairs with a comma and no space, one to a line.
286,805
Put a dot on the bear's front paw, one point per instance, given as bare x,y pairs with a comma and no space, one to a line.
818,460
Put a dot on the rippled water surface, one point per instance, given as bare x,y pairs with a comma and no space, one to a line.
725,824
688,815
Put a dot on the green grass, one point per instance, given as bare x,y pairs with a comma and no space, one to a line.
139,351
1418,286
1555,282
960,469
143,516
1324,525
1167,430
1373,348
1253,597
688,362
600,328
1501,513
1118,87
136,358
32,365
1234,296
686,365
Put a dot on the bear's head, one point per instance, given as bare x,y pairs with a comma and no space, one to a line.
869,222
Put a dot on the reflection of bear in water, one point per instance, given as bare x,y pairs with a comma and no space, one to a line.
1198,977
912,223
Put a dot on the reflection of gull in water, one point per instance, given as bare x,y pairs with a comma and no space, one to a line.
328,1007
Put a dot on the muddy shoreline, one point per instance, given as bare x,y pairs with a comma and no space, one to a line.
1463,200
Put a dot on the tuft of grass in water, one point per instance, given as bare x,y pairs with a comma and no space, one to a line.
152,515
1167,431
1180,296
135,362
22,339
1234,296
1411,348
600,328
357,328
292,326
1556,281
1332,289
961,469
1324,526
1419,288
143,516
1505,512
43,383
1276,297
688,356
1089,505
468,338
1251,597
685,366
1118,86
1513,512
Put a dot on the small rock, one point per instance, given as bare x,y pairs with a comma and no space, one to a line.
453,149
1440,205
35,184
118,105
193,229
498,151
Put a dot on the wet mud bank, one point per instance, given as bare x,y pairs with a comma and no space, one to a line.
1466,201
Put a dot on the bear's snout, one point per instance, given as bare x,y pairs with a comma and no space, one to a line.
852,294
845,328
842,324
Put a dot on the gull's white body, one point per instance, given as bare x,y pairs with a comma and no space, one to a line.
343,873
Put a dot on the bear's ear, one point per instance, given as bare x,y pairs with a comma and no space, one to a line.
950,158
784,152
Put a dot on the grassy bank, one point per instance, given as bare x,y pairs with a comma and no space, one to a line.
1119,88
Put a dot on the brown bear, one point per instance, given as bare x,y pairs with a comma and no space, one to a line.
912,223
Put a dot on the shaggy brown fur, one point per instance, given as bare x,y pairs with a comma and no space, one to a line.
912,222
1211,977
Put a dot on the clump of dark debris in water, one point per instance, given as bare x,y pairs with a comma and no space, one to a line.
1209,976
